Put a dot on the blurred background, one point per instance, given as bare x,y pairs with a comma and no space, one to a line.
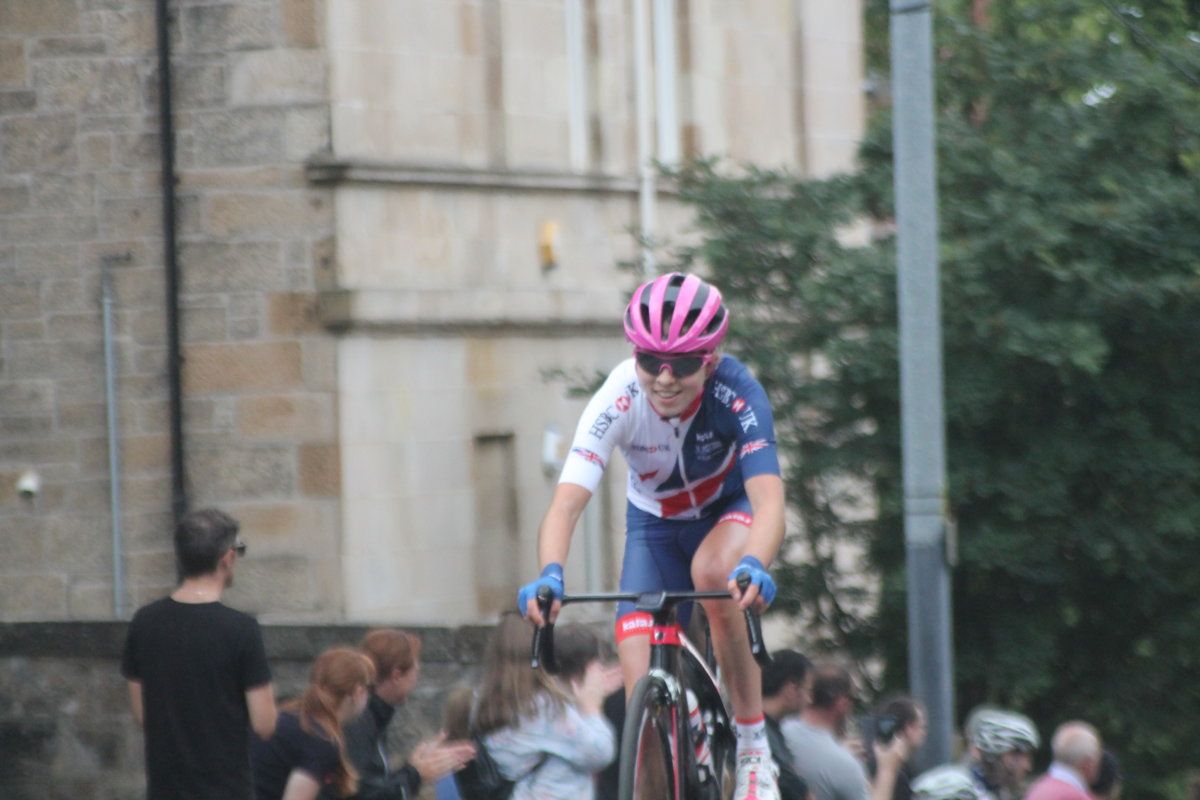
391,216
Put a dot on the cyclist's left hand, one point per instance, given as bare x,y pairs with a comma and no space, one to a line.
761,590
527,603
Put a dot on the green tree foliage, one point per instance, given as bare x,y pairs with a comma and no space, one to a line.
1069,180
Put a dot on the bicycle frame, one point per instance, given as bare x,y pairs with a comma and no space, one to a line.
668,644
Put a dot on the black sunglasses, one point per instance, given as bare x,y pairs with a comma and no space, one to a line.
240,549
683,366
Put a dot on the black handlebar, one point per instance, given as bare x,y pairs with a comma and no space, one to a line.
543,637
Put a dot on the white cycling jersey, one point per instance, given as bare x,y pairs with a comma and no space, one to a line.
678,466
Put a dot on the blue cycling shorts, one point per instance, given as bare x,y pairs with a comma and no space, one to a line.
658,554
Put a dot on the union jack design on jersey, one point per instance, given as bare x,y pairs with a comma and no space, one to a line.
679,467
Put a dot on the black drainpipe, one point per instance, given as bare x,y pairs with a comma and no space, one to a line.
179,501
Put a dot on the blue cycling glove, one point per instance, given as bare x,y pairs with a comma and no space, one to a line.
552,578
749,565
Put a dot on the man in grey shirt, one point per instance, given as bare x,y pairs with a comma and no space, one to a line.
831,771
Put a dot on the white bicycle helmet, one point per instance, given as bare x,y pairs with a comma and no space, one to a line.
947,782
996,731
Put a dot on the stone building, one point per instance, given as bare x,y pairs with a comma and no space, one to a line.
393,218
366,318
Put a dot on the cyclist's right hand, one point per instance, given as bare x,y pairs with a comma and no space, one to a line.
527,600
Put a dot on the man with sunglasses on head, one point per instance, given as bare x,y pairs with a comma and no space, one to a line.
197,672
705,497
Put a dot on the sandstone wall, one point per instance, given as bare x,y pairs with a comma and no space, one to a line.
79,188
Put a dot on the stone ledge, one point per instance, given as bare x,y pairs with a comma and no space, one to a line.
329,170
101,639
465,311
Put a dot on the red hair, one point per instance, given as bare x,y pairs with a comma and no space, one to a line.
336,674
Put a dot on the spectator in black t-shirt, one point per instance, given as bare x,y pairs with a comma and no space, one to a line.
786,691
197,672
308,751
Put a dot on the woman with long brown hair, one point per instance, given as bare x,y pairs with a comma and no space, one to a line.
308,750
548,736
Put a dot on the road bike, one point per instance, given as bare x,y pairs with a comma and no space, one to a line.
678,740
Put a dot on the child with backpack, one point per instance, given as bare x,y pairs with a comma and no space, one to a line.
544,734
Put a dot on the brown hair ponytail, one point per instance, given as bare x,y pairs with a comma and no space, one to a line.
336,674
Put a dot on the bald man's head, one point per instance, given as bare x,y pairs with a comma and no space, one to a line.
1077,745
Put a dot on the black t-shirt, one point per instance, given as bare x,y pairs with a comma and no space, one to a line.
292,748
195,662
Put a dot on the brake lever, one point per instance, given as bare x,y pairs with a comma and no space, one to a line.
758,648
543,637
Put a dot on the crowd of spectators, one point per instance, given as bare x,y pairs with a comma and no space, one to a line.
200,687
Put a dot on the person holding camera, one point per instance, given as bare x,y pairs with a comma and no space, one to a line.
899,731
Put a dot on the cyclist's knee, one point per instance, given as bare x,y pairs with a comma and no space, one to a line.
723,615
710,574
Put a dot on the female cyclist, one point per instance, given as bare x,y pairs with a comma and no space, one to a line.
705,497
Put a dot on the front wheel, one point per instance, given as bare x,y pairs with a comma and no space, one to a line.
649,767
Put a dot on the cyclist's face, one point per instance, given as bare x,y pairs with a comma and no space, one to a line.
1017,764
670,394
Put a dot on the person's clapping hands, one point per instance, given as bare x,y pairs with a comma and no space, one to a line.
436,758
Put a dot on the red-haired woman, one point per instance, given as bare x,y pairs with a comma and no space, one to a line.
308,751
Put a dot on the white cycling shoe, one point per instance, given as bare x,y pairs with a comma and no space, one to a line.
757,778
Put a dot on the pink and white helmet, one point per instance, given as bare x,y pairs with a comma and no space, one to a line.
676,313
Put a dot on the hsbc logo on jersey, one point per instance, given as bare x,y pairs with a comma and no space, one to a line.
602,423
723,393
645,476
609,415
748,421
737,405
588,455
752,447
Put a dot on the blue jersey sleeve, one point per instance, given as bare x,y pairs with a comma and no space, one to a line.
740,392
